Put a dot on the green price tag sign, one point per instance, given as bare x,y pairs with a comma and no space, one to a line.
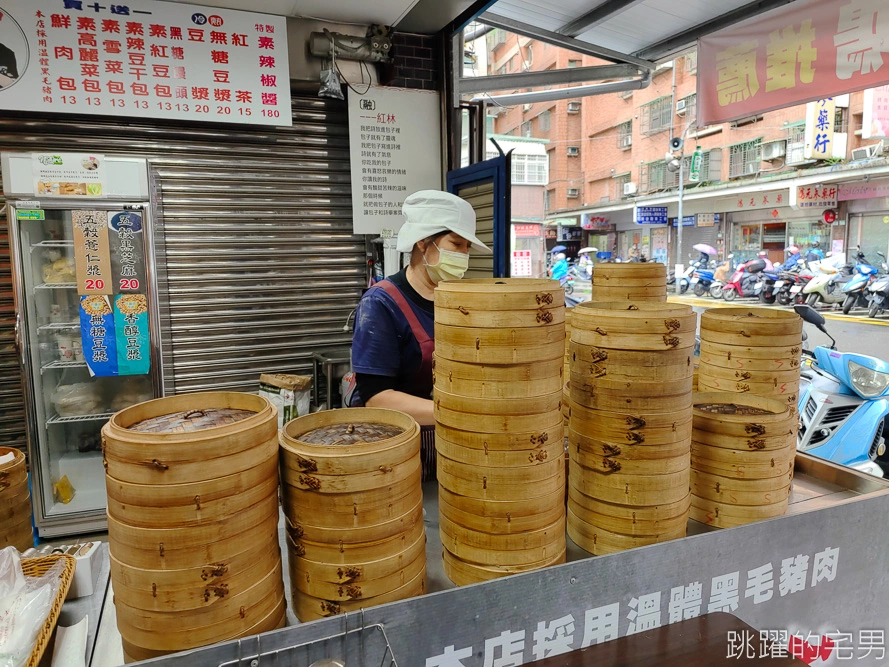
30,214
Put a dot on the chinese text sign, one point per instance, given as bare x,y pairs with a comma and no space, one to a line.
807,50
396,150
144,59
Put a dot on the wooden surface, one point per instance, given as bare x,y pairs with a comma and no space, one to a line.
701,642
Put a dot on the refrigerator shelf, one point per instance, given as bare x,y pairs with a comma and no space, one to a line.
102,416
53,244
59,326
63,364
56,286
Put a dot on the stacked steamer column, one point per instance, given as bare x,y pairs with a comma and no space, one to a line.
354,509
498,374
751,350
630,428
15,501
635,281
742,456
192,486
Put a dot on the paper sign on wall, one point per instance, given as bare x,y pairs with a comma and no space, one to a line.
68,174
92,254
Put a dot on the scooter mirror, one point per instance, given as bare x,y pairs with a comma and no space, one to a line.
810,315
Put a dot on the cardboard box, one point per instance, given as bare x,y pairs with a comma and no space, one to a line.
291,394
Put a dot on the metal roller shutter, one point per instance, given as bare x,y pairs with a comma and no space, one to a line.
257,264
482,199
694,235
12,407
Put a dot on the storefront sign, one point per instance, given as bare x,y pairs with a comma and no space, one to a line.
131,334
127,252
570,233
92,253
650,215
753,201
814,196
820,116
875,124
687,221
68,174
394,134
521,264
549,233
588,221
707,219
149,60
526,231
806,50
869,190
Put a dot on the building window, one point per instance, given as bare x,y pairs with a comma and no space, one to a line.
573,63
619,183
657,115
544,121
744,159
654,176
691,62
526,128
841,120
673,176
573,193
573,107
689,107
625,135
547,200
796,144
501,36
530,169
573,151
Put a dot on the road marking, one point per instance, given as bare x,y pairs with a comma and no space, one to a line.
720,303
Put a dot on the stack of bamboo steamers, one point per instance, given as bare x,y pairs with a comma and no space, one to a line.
192,486
354,508
499,355
630,424
744,440
630,282
15,501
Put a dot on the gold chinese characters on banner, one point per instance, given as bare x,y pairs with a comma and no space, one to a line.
92,252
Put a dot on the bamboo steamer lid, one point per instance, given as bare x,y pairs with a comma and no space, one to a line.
600,542
274,620
754,322
615,360
659,513
15,502
497,319
588,432
308,608
735,491
533,371
359,571
503,294
490,389
631,466
369,533
499,458
642,490
356,483
464,573
493,423
495,556
745,443
501,441
729,516
630,526
305,583
507,510
499,406
650,318
632,386
615,401
548,512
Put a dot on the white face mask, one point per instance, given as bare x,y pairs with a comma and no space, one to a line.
451,265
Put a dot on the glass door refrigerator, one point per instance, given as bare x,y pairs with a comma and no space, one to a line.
86,319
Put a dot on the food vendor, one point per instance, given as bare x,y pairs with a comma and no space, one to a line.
394,340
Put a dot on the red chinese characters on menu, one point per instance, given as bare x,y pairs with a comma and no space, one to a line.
162,59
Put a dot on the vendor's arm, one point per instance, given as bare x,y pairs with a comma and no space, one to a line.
418,408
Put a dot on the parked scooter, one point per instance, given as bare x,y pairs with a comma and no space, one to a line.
843,405
826,286
878,295
743,280
855,288
720,277
702,275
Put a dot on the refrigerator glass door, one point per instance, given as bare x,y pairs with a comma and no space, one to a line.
70,404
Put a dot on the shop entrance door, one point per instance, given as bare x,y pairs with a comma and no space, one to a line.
774,240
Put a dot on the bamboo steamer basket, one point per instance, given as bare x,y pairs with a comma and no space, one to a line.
631,451
743,464
461,536
503,294
721,354
499,458
615,401
755,376
500,406
653,318
785,390
629,527
348,553
500,319
632,386
630,466
504,355
196,437
763,415
620,271
746,443
534,371
464,573
588,429
489,389
616,371
308,608
527,510
345,484
498,424
767,341
15,502
630,294
497,521
303,569
635,420
765,470
753,323
600,542
498,483
626,361
323,534
729,516
500,441
636,342
734,491
664,512
642,490
478,338
552,543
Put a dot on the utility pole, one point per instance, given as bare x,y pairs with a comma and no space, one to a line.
675,163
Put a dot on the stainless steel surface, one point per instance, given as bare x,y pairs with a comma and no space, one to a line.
833,508
256,263
74,610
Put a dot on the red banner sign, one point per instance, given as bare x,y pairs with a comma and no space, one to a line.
806,50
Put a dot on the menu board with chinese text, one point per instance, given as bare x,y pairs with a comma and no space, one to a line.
144,58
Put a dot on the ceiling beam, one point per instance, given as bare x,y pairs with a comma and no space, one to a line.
563,41
676,43
567,93
595,16
557,77
469,15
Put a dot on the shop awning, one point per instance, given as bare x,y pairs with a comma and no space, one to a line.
564,222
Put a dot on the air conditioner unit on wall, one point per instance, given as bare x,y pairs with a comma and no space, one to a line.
573,107
573,193
527,107
774,150
573,151
629,188
626,141
680,107
868,152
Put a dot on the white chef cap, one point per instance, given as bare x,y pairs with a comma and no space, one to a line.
431,212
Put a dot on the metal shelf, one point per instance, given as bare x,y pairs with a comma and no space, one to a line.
56,286
53,244
59,326
103,416
63,364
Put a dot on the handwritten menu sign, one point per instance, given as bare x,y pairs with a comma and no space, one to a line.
92,255
127,252
144,58
396,151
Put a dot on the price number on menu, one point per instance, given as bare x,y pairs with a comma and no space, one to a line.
129,284
94,285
